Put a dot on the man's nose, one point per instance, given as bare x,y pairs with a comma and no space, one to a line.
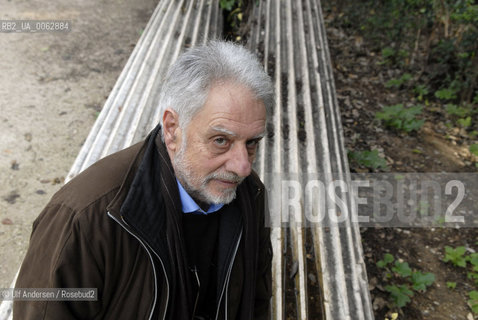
239,161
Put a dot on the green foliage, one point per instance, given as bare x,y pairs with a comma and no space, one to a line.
402,281
387,258
438,35
388,52
464,122
446,94
451,285
402,269
466,11
421,91
473,276
455,110
368,159
388,55
456,256
401,118
234,11
464,114
397,83
474,149
400,294
235,17
227,4
421,281
459,258
473,259
473,302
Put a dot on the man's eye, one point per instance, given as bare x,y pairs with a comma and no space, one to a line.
252,143
220,142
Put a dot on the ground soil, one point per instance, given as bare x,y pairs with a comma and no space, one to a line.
360,79
52,86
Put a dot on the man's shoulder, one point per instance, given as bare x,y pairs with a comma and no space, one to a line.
255,181
99,180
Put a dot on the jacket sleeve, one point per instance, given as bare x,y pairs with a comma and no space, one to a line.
59,256
262,307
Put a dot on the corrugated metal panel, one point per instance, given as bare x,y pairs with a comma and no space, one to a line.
304,143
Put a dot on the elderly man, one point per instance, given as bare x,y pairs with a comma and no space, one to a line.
173,227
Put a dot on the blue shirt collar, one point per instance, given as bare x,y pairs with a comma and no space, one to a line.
190,206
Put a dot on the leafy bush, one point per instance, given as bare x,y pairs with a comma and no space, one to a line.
402,269
421,90
455,110
402,281
456,256
473,302
421,281
462,115
401,118
474,149
446,94
387,258
397,83
400,294
227,4
368,159
464,122
233,11
433,40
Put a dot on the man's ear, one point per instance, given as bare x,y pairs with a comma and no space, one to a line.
171,130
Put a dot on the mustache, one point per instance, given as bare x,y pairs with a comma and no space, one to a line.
226,176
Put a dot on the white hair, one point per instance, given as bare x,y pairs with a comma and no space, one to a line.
190,78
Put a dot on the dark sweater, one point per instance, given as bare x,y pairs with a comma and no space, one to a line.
200,233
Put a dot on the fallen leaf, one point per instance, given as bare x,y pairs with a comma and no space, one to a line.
15,165
57,180
12,197
7,221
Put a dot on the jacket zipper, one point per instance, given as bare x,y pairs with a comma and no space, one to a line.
226,282
124,225
199,288
228,276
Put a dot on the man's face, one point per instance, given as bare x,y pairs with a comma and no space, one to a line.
216,150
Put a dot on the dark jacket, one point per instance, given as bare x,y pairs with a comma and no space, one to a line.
116,227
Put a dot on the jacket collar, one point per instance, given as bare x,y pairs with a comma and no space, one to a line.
140,197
